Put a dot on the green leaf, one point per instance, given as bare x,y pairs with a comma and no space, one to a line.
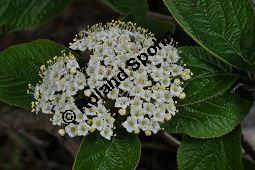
19,66
159,28
121,152
21,14
209,118
210,76
137,7
209,110
223,27
222,153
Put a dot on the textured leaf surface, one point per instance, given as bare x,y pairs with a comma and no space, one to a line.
159,28
96,153
209,110
138,7
19,66
210,77
20,14
226,28
222,153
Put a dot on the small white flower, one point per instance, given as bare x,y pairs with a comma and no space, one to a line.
91,111
137,91
137,112
158,95
158,116
109,120
154,127
57,119
80,80
107,133
80,117
130,124
98,123
126,85
157,74
83,129
136,102
149,108
71,130
101,109
175,90
113,94
165,81
143,124
176,70
122,102
186,74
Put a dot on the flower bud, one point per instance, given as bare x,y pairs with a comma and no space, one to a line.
61,132
87,93
182,95
148,133
168,116
122,112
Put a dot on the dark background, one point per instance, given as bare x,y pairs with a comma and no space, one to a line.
30,142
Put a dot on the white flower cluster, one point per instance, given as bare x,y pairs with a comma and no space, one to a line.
130,74
61,83
143,88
